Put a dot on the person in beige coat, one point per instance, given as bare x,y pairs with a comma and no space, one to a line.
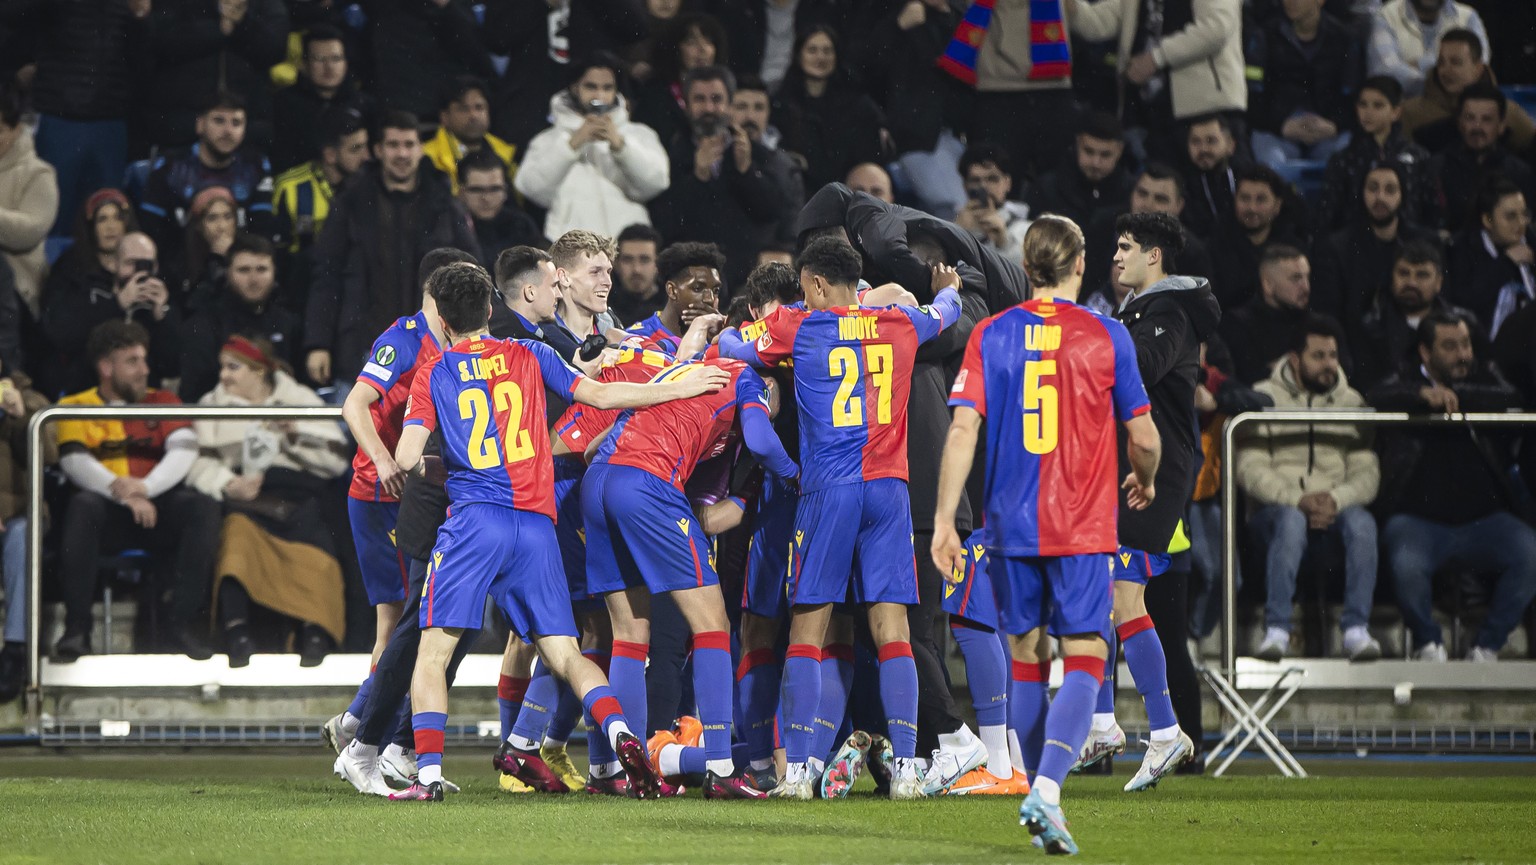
275,553
1302,480
29,201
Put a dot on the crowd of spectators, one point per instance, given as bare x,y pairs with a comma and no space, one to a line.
176,175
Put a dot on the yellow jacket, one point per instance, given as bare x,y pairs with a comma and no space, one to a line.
445,151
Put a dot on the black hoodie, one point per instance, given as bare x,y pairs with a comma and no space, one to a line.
1168,321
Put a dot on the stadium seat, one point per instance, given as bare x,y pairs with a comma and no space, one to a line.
54,247
1524,95
134,179
127,566
1307,176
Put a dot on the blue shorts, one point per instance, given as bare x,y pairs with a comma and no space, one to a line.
972,597
641,532
569,471
1135,566
773,537
511,555
386,574
860,532
1068,594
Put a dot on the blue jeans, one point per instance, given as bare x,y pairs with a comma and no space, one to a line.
1283,530
933,178
1274,151
13,559
1501,544
1205,563
87,155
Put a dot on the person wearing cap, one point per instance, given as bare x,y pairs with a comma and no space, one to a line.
275,552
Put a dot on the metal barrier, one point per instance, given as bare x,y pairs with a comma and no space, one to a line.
1229,527
35,432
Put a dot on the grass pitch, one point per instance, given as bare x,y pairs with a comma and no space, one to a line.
240,807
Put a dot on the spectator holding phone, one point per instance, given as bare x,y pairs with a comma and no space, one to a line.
594,168
135,293
995,219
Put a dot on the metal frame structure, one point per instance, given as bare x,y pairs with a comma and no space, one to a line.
35,432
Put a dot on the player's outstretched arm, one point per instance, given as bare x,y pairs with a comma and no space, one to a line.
355,411
700,332
623,394
1144,447
758,435
734,347
954,468
408,453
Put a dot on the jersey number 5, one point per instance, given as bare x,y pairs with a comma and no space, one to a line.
474,408
843,362
1040,416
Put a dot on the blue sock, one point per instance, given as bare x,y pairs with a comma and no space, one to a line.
1149,667
1106,700
567,713
429,728
626,675
986,670
836,680
510,691
1070,716
599,752
532,720
712,691
355,708
801,697
1028,701
898,692
758,678
603,710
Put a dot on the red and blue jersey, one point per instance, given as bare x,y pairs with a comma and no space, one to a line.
580,424
669,439
487,397
853,374
1052,379
652,330
398,355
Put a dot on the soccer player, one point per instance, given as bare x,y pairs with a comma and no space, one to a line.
500,539
643,538
690,274
374,411
1051,378
1168,317
972,609
852,371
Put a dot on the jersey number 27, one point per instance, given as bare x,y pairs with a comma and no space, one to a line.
843,363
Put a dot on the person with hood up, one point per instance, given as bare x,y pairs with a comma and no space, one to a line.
1168,317
1303,481
595,168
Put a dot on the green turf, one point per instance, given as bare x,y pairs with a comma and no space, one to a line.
237,807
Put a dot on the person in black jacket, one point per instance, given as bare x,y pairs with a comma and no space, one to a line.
1212,184
245,308
1157,189
1168,317
1493,271
499,223
829,122
1469,165
762,33
323,88
1264,214
364,273
1092,179
1446,494
1312,68
205,46
1378,140
1386,343
721,192
1264,329
1352,267
87,53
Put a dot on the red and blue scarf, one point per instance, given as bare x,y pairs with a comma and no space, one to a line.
1049,55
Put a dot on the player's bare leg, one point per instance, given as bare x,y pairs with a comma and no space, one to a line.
429,711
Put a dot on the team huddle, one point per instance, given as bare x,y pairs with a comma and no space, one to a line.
574,490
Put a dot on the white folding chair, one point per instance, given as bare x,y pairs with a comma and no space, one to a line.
1284,682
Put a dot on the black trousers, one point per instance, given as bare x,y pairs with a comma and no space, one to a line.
1168,604
392,675
184,543
936,712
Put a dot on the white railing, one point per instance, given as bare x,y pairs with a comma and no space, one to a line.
1229,526
35,432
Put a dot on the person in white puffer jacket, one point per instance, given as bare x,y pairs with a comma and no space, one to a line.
594,168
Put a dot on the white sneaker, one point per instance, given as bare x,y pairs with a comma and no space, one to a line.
1162,758
1359,645
398,766
950,763
906,783
1431,652
797,784
1482,655
1099,745
1277,641
335,735
362,773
